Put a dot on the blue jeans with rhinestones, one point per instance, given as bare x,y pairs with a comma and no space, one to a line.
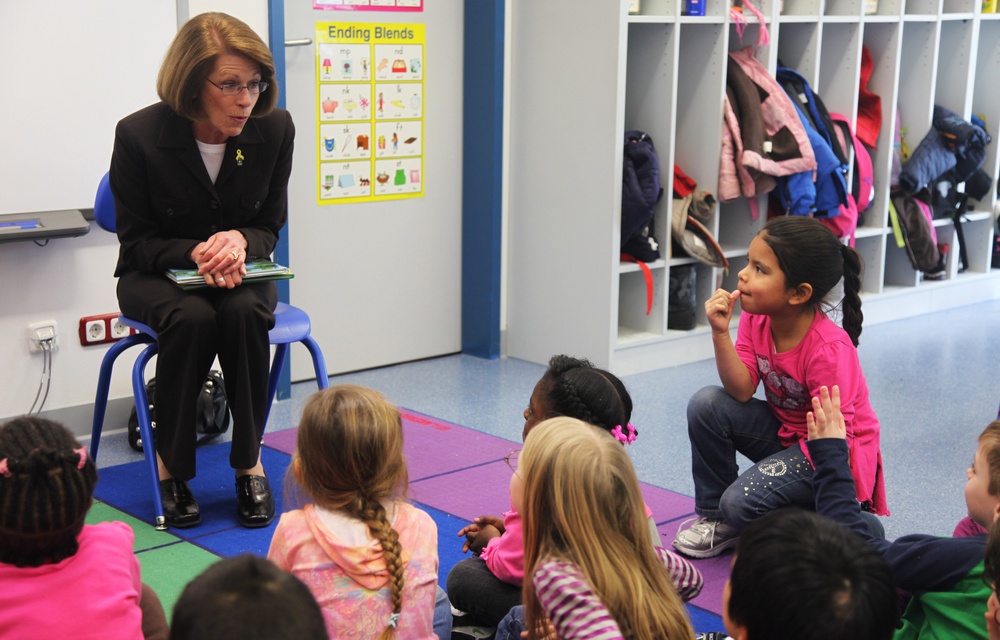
719,427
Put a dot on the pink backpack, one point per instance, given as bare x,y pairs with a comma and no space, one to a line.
863,187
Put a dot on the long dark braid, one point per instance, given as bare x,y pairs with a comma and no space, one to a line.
46,488
851,305
580,390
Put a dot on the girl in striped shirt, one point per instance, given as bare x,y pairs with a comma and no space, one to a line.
590,566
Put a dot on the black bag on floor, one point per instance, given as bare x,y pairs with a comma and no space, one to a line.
211,417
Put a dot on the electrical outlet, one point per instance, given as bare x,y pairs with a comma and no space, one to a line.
95,331
39,332
118,330
102,328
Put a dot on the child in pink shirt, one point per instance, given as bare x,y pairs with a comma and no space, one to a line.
369,558
60,578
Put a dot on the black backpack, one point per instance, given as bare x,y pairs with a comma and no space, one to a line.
641,191
211,417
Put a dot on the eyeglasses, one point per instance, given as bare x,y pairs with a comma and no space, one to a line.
511,461
232,89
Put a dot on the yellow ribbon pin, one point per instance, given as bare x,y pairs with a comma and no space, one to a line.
239,157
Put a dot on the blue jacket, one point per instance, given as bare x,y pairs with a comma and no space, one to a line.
951,143
800,194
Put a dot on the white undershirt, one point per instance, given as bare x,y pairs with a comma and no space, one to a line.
212,155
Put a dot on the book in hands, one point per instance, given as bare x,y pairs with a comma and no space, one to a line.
257,271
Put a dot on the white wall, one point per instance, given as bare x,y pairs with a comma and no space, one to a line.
74,69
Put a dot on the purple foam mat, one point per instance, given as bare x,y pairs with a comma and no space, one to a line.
715,571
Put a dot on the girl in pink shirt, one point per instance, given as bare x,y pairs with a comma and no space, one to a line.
369,557
60,578
787,344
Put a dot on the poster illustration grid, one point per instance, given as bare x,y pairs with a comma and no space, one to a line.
370,111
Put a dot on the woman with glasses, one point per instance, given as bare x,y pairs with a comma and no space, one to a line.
200,181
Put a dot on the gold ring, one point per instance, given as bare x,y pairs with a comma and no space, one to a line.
235,253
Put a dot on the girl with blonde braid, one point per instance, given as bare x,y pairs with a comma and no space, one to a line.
368,556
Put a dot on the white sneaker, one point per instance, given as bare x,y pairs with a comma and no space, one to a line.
705,538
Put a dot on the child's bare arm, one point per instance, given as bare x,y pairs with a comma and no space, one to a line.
480,532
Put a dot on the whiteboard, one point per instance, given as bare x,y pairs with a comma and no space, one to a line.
73,69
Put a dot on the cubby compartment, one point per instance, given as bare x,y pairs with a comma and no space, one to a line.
872,252
986,101
634,323
922,9
658,9
953,80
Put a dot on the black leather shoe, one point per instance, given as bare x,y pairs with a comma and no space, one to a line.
254,502
179,506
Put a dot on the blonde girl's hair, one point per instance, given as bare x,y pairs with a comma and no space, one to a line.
582,504
349,457
191,57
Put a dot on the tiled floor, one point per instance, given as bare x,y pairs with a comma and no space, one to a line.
934,382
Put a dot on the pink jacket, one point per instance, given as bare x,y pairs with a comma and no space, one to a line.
351,583
766,140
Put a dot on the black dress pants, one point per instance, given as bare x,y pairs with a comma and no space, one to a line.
192,328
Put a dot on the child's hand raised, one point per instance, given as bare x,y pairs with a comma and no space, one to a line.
719,309
826,420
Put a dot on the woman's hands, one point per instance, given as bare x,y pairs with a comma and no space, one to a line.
719,309
222,259
480,532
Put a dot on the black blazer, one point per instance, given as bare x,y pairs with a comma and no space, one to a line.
165,202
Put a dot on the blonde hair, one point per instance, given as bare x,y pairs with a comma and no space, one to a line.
191,57
349,457
582,504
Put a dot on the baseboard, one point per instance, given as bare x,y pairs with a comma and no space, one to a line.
80,419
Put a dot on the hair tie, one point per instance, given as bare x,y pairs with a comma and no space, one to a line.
393,620
621,437
4,469
82,452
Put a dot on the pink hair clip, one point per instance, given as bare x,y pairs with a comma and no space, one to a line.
621,437
82,452
4,469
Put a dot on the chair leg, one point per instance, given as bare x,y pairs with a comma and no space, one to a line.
146,430
319,362
272,381
104,385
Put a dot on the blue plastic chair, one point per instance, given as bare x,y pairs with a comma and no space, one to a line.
291,324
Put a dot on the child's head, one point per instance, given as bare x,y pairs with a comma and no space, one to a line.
246,598
575,388
982,491
813,260
797,574
581,502
349,457
46,487
349,449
